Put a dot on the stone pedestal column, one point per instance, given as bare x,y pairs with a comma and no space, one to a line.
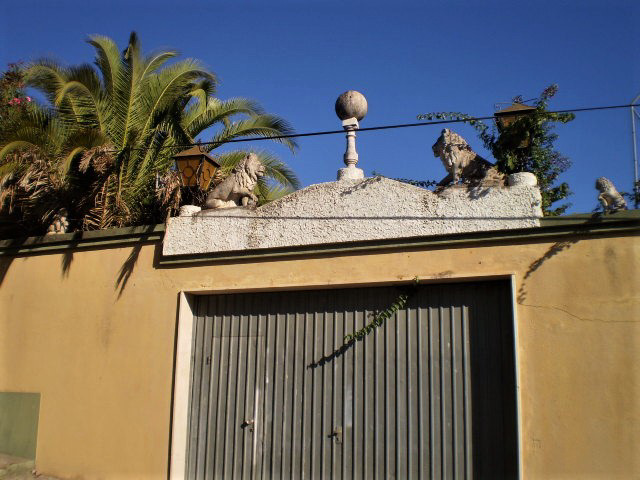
350,155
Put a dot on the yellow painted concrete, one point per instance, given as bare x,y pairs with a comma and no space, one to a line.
100,351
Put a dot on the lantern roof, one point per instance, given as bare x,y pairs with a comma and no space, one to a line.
196,151
516,107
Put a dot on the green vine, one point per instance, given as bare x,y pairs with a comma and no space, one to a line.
416,183
380,317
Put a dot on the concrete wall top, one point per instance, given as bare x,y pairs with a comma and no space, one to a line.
354,210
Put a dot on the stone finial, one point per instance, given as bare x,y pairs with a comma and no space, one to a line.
351,107
609,197
351,104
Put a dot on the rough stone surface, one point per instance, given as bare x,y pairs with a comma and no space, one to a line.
17,468
352,210
350,173
189,210
351,104
60,223
237,188
462,163
522,178
609,197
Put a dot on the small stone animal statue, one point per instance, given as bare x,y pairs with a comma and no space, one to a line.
60,222
609,197
237,188
462,163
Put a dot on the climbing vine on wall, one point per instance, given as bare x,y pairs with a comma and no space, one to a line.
380,317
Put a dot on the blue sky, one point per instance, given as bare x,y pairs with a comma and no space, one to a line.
406,57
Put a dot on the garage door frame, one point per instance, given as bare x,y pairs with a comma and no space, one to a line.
183,354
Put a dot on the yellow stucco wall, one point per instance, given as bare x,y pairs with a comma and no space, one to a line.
102,355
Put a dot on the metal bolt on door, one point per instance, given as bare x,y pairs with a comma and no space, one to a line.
429,394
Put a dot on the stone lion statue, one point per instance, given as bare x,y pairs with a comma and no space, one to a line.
237,188
60,222
609,197
462,163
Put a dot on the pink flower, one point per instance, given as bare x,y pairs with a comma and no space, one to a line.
28,99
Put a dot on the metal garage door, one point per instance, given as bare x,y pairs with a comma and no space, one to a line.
428,394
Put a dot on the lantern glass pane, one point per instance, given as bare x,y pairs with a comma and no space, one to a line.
188,169
208,171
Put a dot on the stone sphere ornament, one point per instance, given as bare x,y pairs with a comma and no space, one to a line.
351,104
351,107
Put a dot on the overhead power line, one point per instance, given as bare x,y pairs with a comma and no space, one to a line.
381,127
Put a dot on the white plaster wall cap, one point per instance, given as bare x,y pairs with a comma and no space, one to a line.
231,211
353,210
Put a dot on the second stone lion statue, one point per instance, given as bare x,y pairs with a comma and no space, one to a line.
609,197
237,189
462,163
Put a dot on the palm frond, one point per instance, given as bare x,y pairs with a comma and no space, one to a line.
47,76
79,142
44,129
85,106
83,90
165,88
275,169
258,126
156,60
202,89
12,147
279,171
169,194
268,193
204,115
107,60
88,77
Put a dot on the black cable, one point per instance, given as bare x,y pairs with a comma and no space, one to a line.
370,129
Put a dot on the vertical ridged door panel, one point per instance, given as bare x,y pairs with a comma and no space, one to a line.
430,393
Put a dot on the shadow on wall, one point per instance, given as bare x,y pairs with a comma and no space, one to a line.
126,270
553,250
67,258
5,263
71,247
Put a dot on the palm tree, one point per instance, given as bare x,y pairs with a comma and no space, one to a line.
111,132
35,181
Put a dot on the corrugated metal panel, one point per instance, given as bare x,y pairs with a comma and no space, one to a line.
428,394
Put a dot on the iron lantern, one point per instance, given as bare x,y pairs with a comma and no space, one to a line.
196,167
507,116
